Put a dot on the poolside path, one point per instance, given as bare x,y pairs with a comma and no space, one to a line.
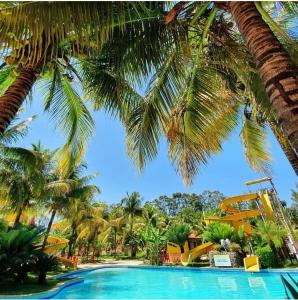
112,262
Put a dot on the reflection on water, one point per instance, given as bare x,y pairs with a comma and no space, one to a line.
256,282
227,283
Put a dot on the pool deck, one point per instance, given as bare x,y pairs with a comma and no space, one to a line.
112,262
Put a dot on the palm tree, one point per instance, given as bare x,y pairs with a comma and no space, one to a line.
272,234
132,208
63,103
56,37
76,213
22,175
274,64
276,68
194,131
93,228
116,223
63,190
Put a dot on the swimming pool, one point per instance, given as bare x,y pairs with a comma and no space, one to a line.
174,283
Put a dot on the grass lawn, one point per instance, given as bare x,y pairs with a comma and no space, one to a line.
10,287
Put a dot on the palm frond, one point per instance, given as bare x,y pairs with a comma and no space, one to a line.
254,139
22,34
15,132
71,116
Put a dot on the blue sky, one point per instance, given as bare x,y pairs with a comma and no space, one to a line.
106,154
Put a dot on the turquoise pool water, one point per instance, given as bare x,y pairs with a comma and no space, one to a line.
142,283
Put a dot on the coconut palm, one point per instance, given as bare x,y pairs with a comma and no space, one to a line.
64,104
132,207
55,37
34,54
63,190
213,48
276,67
23,176
116,224
94,228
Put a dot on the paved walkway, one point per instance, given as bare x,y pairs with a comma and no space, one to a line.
112,262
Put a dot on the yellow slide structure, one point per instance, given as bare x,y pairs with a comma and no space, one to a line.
54,244
236,218
189,256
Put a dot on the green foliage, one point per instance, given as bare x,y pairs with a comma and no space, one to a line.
172,206
270,232
43,263
155,239
17,250
3,226
266,256
178,233
217,231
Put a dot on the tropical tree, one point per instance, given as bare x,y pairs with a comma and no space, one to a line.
117,222
132,208
178,234
93,229
173,102
155,239
53,40
275,65
272,234
43,263
63,190
23,176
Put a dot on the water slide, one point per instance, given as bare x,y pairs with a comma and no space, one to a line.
189,256
55,244
236,217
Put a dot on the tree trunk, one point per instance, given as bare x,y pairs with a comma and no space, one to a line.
115,240
18,217
48,229
285,145
15,95
71,242
275,254
133,251
277,71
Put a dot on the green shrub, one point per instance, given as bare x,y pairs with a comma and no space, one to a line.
217,231
266,257
43,263
178,233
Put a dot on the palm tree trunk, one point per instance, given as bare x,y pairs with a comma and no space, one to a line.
277,71
48,229
285,145
15,95
18,217
115,240
275,253
71,242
